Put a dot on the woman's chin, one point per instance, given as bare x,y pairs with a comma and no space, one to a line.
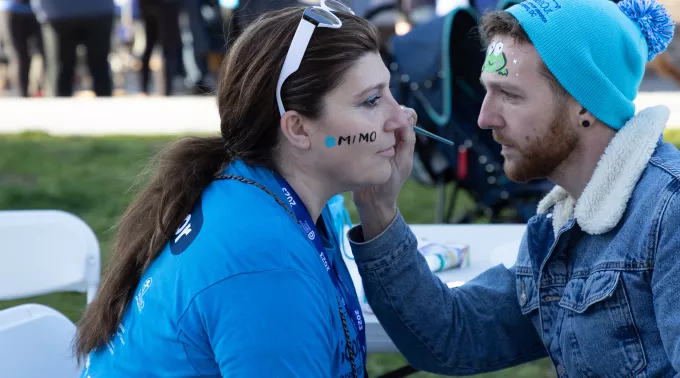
379,177
371,178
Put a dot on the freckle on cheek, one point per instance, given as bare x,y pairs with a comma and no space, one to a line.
528,138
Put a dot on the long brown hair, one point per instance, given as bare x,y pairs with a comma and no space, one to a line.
249,123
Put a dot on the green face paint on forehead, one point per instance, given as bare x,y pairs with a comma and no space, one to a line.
496,61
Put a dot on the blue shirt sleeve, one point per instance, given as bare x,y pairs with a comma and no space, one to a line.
264,322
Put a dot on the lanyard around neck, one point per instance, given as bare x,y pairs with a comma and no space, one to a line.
304,219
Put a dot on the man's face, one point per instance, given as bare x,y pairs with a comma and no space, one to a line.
526,118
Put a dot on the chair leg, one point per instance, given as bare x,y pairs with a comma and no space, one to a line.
401,372
452,203
441,203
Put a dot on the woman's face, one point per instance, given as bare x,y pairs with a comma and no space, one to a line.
355,137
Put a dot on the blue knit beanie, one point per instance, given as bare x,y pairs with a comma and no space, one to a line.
597,49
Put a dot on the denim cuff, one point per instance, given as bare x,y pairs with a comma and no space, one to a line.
384,248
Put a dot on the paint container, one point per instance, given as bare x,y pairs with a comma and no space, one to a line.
444,256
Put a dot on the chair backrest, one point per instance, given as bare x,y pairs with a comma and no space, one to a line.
47,251
35,342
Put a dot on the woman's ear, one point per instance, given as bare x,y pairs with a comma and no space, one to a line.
294,130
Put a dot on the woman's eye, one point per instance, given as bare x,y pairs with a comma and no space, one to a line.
373,101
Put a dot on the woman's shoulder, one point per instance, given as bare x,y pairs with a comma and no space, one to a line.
227,223
235,202
236,230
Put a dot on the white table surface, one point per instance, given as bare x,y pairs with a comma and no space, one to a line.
490,245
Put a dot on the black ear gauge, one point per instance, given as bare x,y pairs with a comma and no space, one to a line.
585,123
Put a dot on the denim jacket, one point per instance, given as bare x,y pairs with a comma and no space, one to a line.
596,284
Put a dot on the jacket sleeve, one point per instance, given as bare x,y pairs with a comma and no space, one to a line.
260,323
666,279
475,328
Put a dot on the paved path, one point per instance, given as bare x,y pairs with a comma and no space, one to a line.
164,115
116,115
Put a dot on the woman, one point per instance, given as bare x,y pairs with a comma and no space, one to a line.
18,26
211,274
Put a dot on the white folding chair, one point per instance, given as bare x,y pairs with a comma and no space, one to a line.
47,251
36,342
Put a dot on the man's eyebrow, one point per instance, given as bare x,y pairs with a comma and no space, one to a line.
507,86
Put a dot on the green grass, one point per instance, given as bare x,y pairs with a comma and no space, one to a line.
93,178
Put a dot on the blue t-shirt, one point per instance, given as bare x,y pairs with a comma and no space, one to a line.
14,6
238,291
56,10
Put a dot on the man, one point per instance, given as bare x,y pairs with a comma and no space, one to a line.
161,24
596,285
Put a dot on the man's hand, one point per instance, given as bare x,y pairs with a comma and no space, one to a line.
377,206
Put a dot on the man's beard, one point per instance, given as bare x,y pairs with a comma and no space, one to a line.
544,154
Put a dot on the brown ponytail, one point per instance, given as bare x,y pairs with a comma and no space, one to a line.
183,170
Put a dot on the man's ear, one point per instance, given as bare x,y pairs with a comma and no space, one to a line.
294,130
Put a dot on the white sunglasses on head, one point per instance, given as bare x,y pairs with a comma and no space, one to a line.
315,16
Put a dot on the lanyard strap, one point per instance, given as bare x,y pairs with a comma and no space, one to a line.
350,302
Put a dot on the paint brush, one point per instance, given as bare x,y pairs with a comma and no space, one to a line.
433,136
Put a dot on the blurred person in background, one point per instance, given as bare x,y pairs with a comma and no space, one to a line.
204,39
667,64
18,26
247,11
161,24
67,24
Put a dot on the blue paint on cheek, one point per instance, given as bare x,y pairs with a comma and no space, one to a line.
330,142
